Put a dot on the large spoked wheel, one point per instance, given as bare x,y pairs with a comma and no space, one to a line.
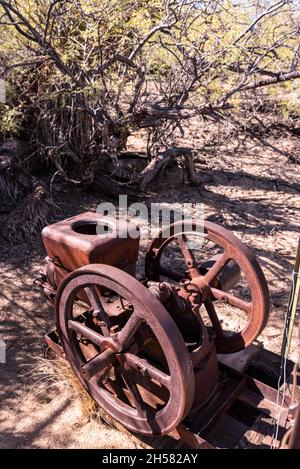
125,349
255,306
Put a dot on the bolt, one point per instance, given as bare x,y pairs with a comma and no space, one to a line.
114,329
100,323
195,298
185,282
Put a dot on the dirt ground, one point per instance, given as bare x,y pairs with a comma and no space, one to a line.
253,190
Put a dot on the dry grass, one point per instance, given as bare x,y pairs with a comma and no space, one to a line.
52,375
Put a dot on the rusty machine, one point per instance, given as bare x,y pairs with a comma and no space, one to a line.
146,350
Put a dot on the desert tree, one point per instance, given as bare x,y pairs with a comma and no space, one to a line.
84,75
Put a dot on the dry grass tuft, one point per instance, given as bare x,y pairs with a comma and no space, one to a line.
50,378
55,374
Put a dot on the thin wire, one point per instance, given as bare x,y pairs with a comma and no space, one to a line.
279,392
283,363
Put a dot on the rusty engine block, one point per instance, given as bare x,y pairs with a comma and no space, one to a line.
146,350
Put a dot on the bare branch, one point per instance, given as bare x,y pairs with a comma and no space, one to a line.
279,78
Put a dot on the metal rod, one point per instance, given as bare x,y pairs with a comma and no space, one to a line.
294,439
292,307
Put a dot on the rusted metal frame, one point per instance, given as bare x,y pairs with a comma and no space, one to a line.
217,407
193,440
250,391
263,405
258,387
259,395
52,341
254,385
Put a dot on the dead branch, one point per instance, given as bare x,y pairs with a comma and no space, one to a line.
163,159
279,78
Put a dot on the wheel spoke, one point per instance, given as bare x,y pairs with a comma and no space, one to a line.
88,333
214,318
96,304
232,300
188,255
216,268
146,369
134,392
98,363
126,335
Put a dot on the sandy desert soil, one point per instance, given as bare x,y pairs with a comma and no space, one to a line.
252,190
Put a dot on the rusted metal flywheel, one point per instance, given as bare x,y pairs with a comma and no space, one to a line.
112,376
207,284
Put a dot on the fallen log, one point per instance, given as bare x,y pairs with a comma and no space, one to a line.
159,163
